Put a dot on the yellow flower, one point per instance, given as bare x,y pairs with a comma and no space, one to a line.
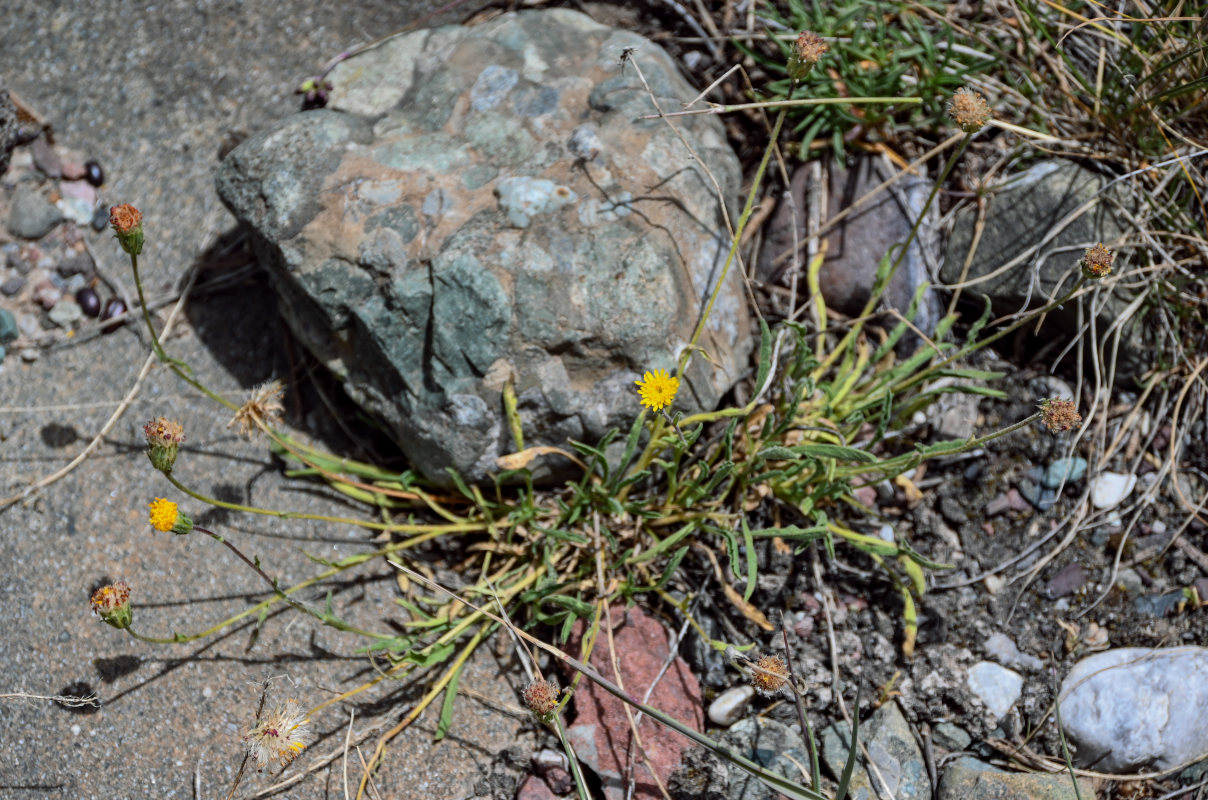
657,389
166,516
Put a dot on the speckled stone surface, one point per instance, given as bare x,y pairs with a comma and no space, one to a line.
151,93
479,204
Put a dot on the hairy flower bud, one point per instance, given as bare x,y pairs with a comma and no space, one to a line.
112,605
127,224
163,441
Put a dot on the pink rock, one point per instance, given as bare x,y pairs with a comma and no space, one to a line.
1017,501
866,495
534,788
73,170
601,732
80,190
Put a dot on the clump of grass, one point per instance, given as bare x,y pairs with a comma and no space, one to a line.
878,49
826,399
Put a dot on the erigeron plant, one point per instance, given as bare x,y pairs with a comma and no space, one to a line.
793,445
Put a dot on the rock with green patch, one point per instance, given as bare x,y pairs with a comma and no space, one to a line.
478,205
969,779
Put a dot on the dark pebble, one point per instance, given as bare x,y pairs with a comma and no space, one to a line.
1068,580
93,173
113,308
89,302
100,219
76,263
13,285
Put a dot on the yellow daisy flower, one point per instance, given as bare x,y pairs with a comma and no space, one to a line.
657,389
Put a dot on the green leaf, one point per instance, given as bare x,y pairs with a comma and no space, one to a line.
850,766
576,606
765,354
752,560
777,453
446,705
834,451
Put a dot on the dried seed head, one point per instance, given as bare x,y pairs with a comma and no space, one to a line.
807,51
1059,415
969,110
263,408
541,698
769,675
280,735
1096,262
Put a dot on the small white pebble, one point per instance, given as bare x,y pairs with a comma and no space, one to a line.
75,730
729,706
207,693
918,418
1158,527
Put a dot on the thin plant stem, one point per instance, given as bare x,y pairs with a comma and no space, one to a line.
181,369
255,566
459,527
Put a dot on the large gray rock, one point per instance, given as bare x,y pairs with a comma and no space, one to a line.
970,779
8,127
483,203
1134,707
1020,223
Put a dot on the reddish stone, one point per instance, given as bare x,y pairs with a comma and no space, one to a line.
534,788
601,733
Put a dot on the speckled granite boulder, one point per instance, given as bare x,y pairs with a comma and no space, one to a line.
479,203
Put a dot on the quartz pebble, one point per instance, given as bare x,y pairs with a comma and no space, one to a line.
996,686
66,313
1133,707
729,706
1109,489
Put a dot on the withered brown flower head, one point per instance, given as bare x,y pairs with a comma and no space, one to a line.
541,698
264,407
769,675
806,51
969,110
125,218
1096,262
163,432
810,47
1059,415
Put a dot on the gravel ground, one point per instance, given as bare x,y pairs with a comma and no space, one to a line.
153,94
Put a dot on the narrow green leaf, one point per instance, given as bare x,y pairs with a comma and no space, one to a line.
752,560
850,766
777,453
446,705
834,451
765,354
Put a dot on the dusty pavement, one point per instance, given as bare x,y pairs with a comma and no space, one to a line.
152,92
